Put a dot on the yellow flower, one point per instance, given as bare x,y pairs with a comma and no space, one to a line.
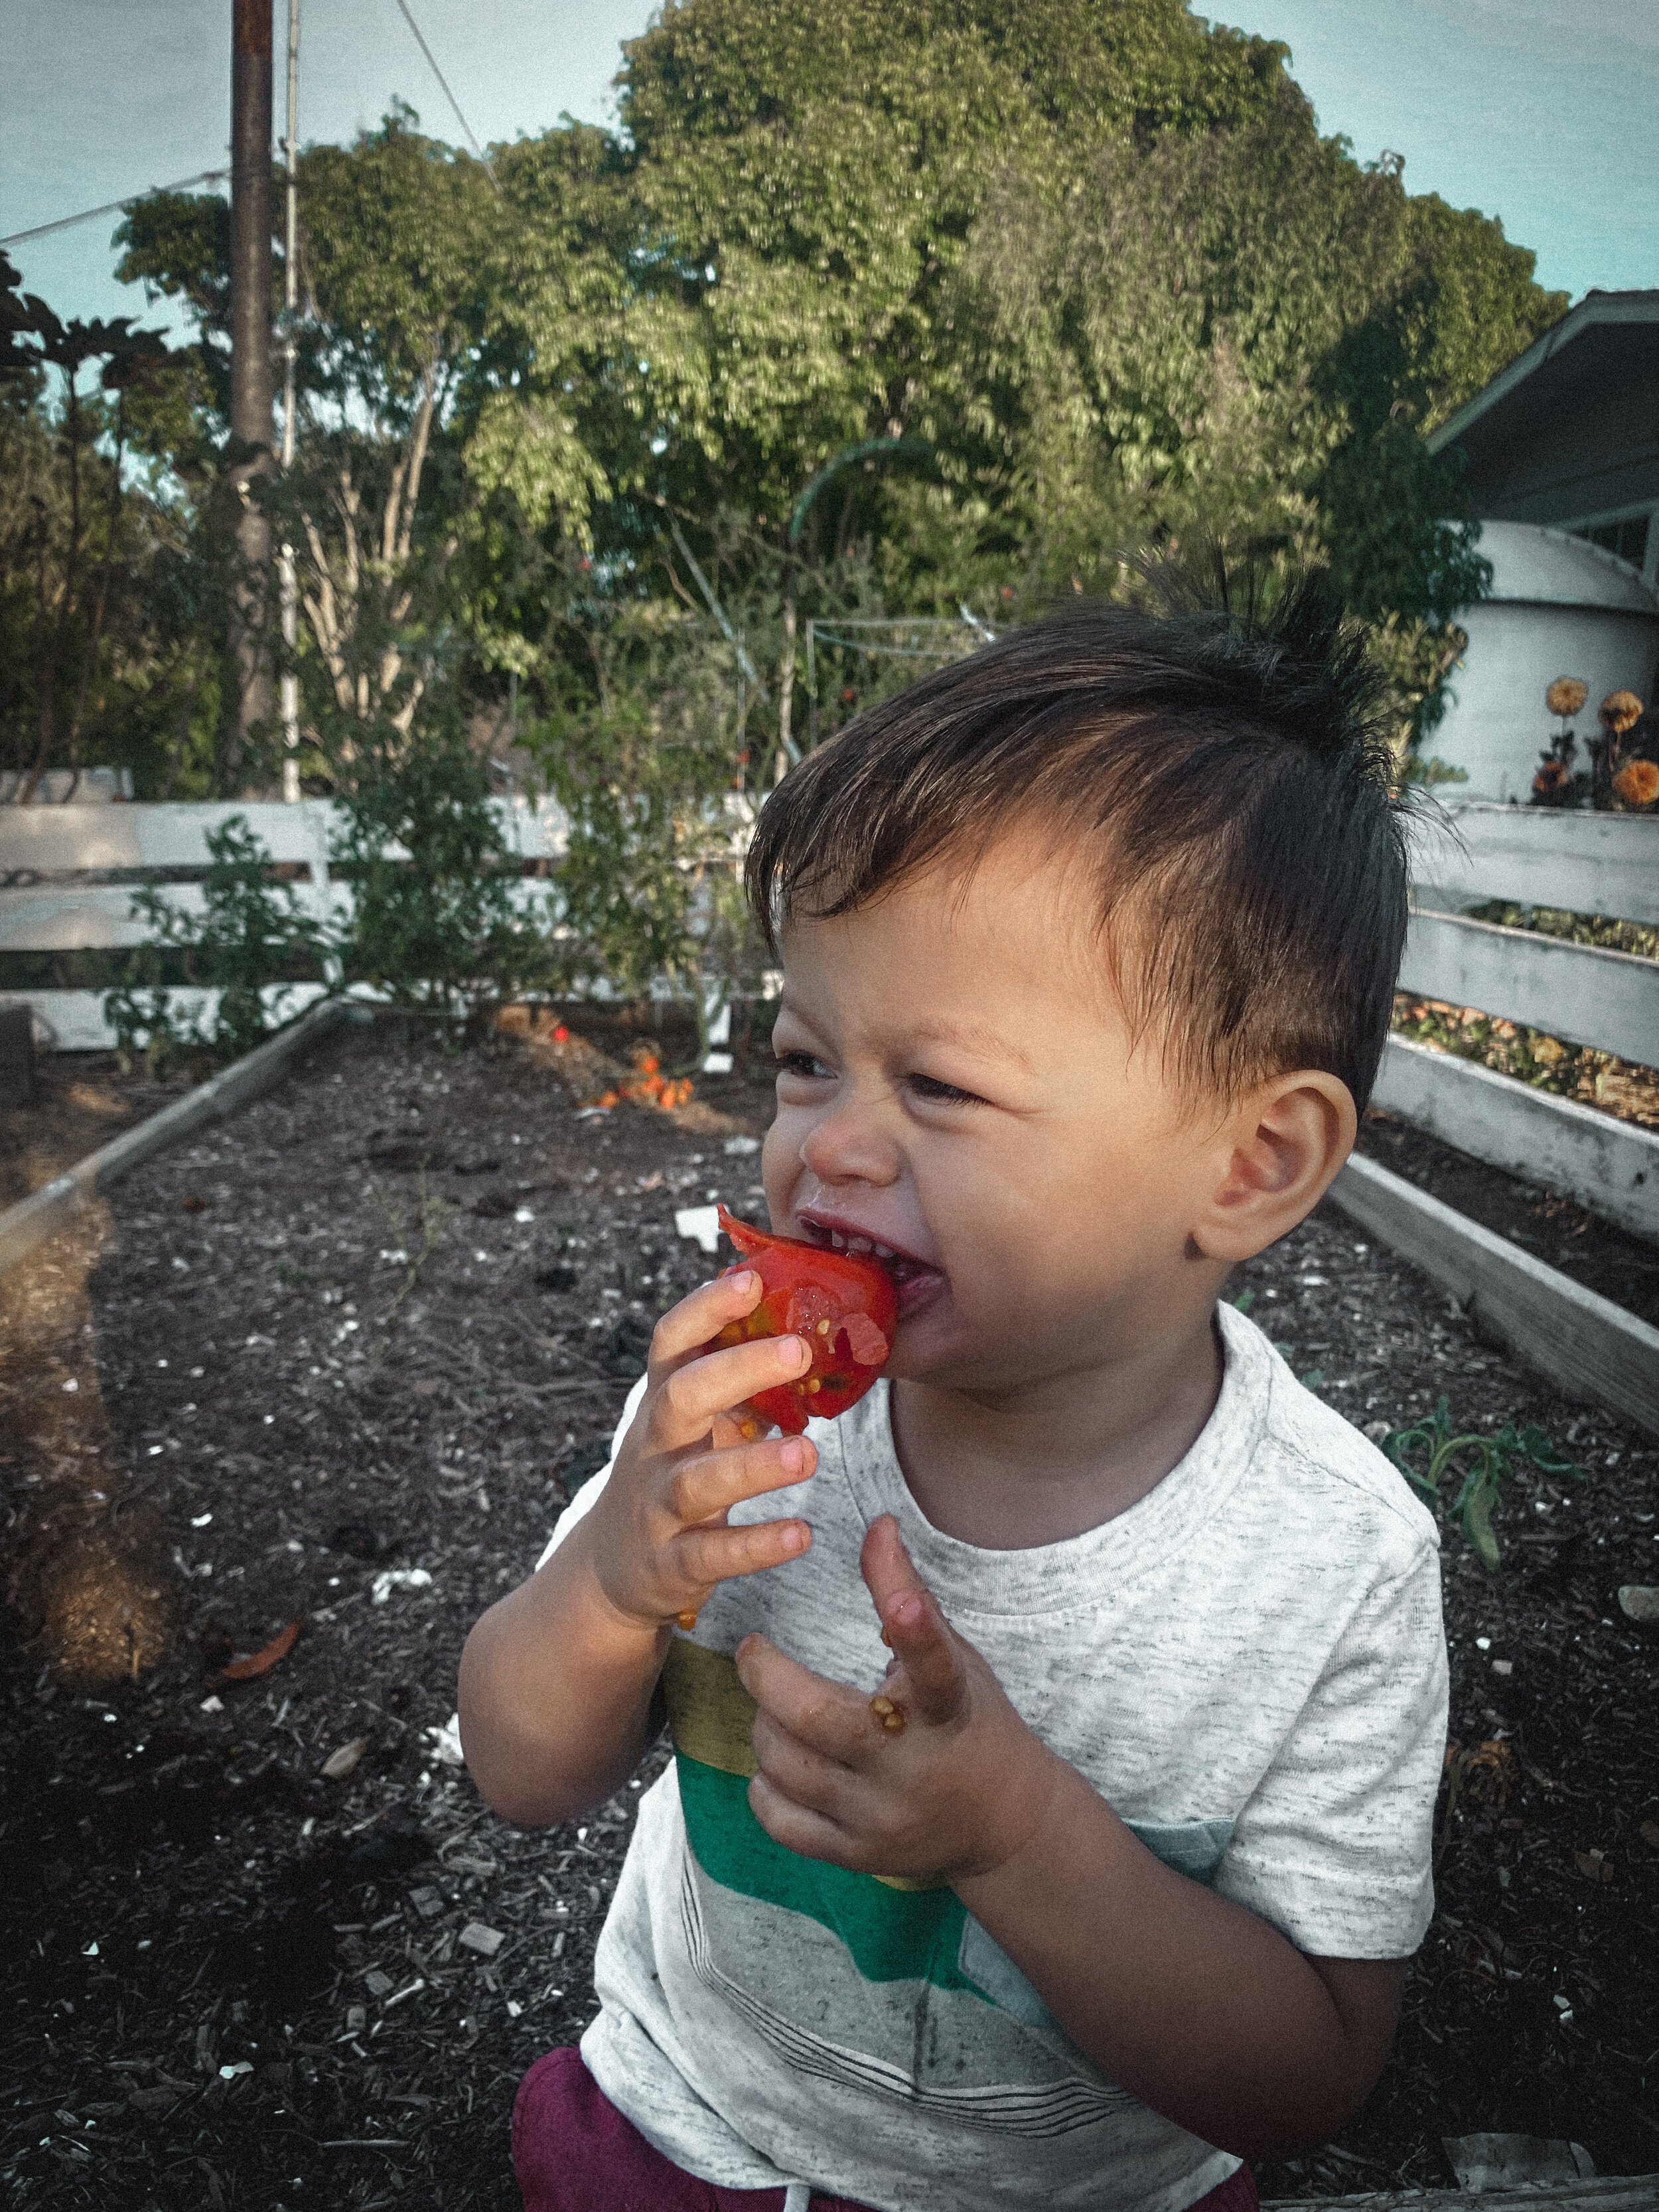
1566,696
1637,783
1549,1050
1619,711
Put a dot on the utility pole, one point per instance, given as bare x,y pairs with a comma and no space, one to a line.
250,357
291,302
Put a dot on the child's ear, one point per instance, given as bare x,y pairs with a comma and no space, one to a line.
1278,1153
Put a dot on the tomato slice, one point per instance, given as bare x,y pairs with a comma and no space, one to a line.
843,1303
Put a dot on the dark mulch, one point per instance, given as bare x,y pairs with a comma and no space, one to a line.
1557,1230
267,1419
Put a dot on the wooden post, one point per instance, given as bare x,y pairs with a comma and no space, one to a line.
250,362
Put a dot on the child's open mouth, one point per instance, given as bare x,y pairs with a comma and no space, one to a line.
915,1280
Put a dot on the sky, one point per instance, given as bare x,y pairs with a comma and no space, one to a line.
1543,112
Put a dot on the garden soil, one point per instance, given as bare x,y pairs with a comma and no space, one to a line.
339,1362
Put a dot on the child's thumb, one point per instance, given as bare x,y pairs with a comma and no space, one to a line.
913,1627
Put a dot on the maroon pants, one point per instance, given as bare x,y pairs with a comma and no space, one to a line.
574,2152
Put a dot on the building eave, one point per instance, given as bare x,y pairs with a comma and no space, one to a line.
1596,308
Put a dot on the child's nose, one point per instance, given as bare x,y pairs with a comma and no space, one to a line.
848,1146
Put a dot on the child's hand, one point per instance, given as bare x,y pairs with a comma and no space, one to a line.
657,1539
955,1790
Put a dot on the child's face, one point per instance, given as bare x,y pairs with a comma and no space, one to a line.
956,1083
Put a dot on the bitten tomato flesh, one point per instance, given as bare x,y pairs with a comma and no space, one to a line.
843,1304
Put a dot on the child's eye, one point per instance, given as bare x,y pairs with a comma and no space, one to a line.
941,1094
803,1065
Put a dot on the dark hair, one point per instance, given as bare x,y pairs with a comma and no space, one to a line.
1222,776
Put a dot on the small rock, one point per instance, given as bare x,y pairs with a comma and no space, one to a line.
1639,1601
391,1578
345,1760
446,1742
486,1942
377,1983
700,1223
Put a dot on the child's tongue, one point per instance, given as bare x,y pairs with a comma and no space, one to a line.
914,1280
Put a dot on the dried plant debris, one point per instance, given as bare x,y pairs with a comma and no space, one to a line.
238,1982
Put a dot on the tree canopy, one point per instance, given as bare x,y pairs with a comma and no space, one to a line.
882,309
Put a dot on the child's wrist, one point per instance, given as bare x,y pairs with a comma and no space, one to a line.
1027,1797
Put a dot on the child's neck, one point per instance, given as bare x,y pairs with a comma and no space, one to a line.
1058,1455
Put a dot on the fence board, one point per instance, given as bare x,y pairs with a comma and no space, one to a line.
73,1021
1607,1000
1590,1349
1609,1165
1605,864
63,840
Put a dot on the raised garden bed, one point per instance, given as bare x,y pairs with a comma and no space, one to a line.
82,1101
268,1420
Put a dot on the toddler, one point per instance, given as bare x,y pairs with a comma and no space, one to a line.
1089,944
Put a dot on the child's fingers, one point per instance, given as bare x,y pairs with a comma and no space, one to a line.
798,1828
701,1314
712,1483
695,1395
885,1563
827,1716
917,1632
704,1557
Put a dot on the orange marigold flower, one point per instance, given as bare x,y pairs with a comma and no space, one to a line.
1637,783
1566,696
1619,711
1549,778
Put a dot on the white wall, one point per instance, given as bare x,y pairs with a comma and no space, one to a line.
1497,724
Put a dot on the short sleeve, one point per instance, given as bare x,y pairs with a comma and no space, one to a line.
1334,1846
588,1496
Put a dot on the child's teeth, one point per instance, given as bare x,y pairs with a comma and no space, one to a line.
837,1242
860,1244
883,1251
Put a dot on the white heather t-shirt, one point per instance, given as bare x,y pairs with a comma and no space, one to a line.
1247,1664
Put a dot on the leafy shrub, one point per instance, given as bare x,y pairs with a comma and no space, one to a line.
252,933
435,924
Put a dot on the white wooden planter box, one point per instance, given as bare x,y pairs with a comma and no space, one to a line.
1608,1165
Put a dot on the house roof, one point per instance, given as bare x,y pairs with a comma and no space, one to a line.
1540,567
1597,314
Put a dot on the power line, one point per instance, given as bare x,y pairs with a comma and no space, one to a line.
448,95
112,207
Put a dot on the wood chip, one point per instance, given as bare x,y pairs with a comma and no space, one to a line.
486,1942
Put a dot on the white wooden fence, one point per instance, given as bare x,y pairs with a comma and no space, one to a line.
1605,864
67,876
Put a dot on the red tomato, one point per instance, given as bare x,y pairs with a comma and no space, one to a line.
843,1303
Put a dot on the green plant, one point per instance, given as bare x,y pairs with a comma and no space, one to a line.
436,923
252,933
1485,1462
